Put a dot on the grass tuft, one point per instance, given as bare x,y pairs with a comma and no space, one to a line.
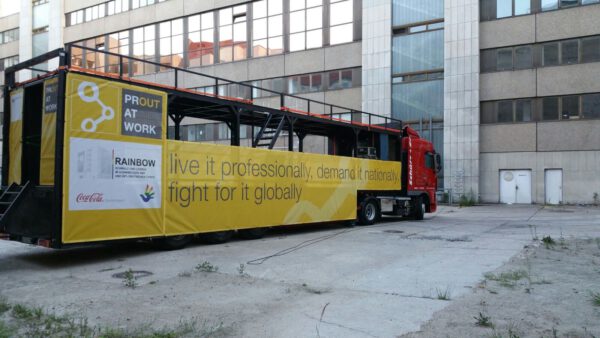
206,267
483,320
549,242
596,298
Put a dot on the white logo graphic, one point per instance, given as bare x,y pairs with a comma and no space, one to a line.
108,113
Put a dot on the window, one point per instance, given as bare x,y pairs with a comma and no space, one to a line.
550,54
8,62
41,14
418,52
488,113
550,108
523,57
306,23
505,59
548,5
410,11
412,101
570,107
118,43
488,60
9,36
171,43
570,52
503,8
267,33
232,34
522,7
505,111
591,106
523,111
144,47
568,3
340,21
201,39
590,49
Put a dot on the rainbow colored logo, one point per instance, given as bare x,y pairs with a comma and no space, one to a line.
148,194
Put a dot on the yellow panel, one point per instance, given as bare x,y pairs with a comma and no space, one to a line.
48,139
113,160
15,140
215,187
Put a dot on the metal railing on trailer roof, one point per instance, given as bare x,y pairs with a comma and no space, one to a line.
129,67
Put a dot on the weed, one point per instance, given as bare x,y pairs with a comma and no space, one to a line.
4,305
6,331
241,270
596,298
533,232
152,282
206,267
483,320
508,279
596,199
443,294
466,201
185,274
129,279
20,311
549,242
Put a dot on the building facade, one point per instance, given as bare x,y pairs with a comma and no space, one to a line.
505,89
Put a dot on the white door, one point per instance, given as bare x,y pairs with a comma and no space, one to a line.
553,183
515,186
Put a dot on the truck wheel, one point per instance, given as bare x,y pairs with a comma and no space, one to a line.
255,233
216,237
369,212
173,242
419,206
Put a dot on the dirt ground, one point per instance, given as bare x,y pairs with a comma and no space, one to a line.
548,290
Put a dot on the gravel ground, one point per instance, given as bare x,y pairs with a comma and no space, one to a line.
548,290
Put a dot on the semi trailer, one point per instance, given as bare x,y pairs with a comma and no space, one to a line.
94,154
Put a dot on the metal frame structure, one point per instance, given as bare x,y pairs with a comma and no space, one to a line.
41,206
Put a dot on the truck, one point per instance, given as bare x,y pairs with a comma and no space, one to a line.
92,153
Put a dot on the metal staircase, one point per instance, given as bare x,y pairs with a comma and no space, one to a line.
269,132
10,197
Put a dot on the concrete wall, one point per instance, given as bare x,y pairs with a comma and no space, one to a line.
580,173
461,97
377,57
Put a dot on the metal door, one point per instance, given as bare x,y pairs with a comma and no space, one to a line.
515,186
553,184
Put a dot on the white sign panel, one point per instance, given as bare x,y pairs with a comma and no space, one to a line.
108,175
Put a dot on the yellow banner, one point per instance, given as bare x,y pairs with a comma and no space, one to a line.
113,160
15,140
123,179
215,187
48,138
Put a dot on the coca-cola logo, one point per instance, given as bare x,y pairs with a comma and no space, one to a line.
90,198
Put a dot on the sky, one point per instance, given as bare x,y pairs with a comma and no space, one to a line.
8,7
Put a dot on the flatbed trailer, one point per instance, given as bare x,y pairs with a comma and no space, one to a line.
87,158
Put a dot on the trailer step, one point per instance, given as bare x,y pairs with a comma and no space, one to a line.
8,199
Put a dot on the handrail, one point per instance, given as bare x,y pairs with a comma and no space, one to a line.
219,82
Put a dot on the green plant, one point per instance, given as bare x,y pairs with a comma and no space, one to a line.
241,270
443,294
129,279
533,232
4,305
596,199
466,201
185,274
206,267
20,311
508,278
596,298
549,242
483,320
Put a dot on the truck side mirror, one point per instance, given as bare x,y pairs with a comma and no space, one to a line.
438,163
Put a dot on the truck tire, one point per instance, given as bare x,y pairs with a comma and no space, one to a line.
173,242
369,212
217,237
419,207
255,233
